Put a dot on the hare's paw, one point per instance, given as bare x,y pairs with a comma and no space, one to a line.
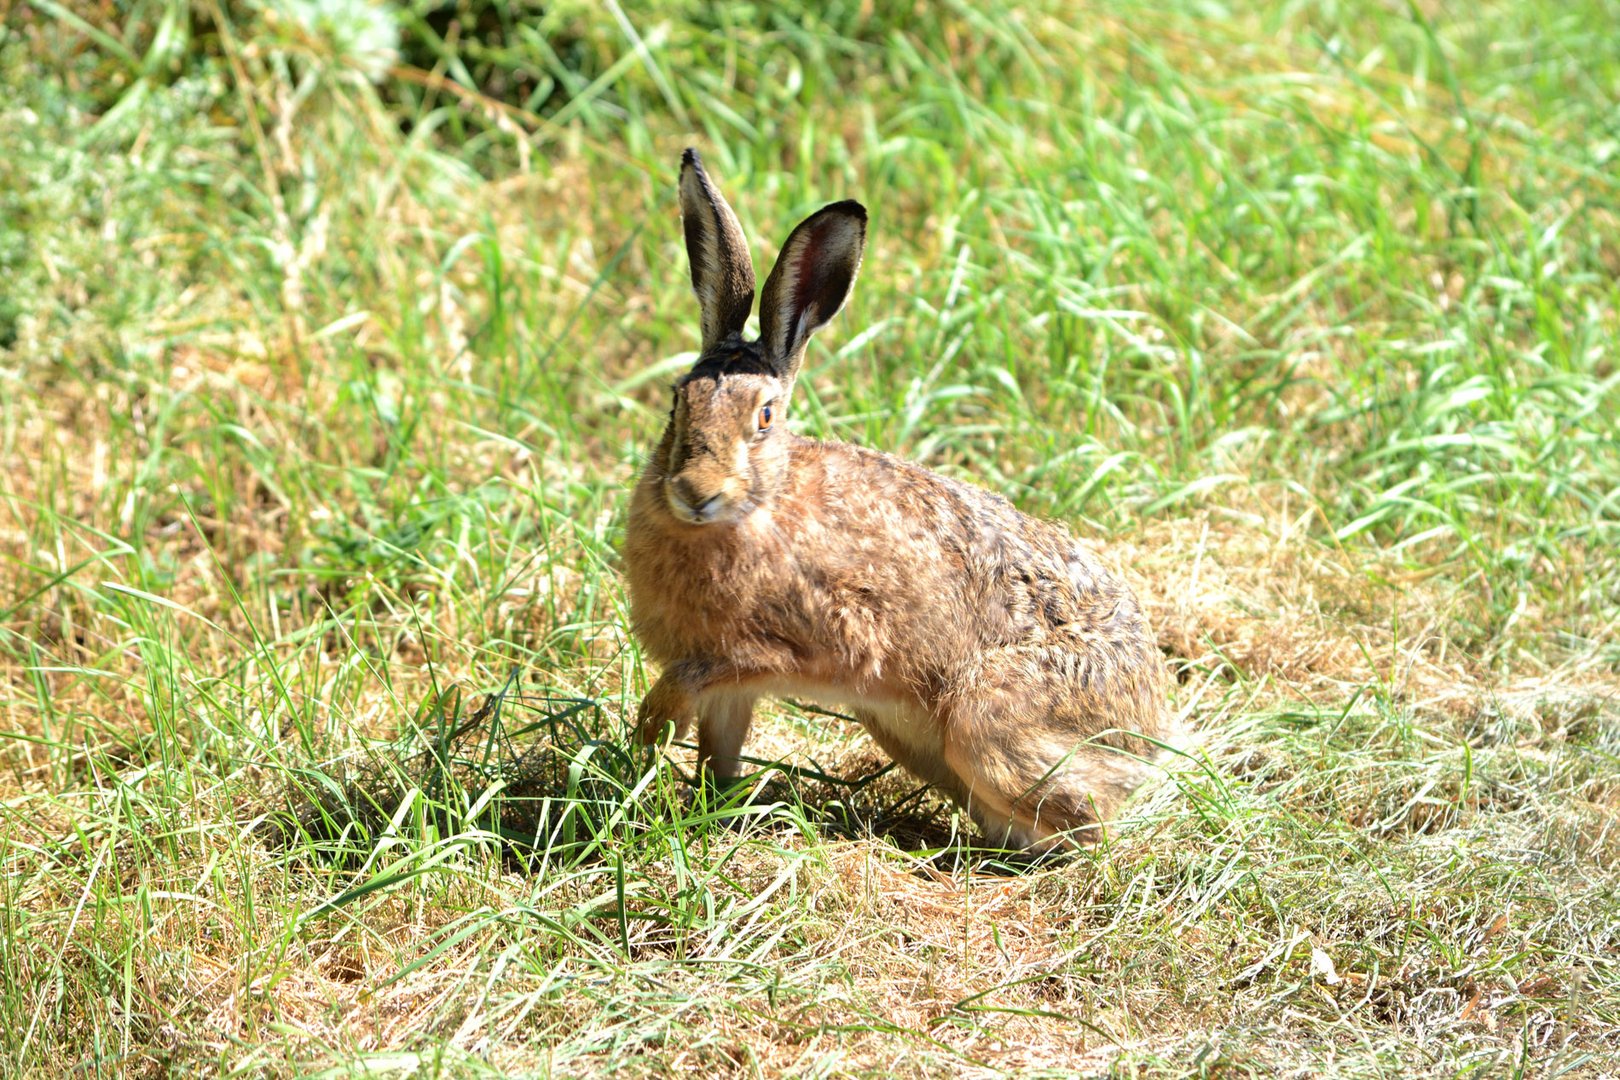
665,704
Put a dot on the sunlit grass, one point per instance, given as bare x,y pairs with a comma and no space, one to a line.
323,377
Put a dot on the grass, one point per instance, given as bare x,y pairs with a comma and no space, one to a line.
324,374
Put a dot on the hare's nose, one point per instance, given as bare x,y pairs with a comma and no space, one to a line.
689,495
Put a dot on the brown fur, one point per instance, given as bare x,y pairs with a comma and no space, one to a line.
985,650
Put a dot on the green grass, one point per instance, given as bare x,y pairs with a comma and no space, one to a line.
320,399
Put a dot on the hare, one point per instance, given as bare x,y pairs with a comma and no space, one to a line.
984,650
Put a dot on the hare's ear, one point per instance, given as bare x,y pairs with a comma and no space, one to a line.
722,275
810,282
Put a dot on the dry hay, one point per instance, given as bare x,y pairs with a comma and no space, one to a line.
1262,599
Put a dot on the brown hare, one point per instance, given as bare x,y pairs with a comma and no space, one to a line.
985,651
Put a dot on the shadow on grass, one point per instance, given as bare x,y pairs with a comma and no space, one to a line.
903,813
552,781
881,802
535,776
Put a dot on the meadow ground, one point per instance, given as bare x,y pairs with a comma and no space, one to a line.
324,373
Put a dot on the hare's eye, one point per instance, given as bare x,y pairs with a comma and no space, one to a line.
764,417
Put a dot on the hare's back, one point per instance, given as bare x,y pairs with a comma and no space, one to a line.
957,549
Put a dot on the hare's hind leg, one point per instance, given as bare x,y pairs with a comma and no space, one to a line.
1035,737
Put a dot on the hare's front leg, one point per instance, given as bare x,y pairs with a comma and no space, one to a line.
665,704
723,704
724,717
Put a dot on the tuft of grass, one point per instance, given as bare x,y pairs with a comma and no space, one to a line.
330,341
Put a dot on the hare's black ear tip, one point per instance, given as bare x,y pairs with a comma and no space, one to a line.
690,159
851,208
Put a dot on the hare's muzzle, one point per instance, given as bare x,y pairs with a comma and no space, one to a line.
689,504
